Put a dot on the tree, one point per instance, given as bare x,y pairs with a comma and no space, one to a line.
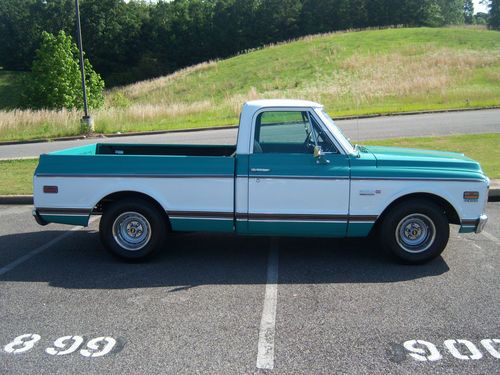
452,11
494,20
468,12
21,25
111,33
55,81
431,14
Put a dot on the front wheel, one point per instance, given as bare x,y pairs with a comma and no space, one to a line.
132,230
415,231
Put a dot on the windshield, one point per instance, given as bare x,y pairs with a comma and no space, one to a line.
336,132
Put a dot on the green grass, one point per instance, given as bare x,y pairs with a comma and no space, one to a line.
17,174
481,147
354,73
10,89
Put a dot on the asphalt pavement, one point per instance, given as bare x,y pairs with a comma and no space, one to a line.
448,123
216,304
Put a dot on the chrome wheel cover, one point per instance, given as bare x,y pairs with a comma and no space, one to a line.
132,231
415,233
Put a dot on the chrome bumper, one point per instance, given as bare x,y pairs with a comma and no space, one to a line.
473,225
38,218
483,219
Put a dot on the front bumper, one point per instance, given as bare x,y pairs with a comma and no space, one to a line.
483,219
473,226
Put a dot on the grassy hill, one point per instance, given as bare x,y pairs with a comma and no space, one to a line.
375,71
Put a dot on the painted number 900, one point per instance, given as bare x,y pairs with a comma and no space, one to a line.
96,347
421,350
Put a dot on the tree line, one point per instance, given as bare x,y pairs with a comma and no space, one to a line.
129,41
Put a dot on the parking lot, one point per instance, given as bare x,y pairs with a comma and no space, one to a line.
214,304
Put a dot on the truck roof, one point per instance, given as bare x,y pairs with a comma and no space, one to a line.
262,103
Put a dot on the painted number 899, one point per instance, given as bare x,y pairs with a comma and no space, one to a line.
96,347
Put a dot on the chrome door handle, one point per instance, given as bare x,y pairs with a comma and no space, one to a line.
260,170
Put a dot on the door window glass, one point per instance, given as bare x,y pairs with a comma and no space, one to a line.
289,132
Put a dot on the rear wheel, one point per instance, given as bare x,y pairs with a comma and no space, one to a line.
132,229
415,231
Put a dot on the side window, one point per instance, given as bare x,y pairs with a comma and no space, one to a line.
288,132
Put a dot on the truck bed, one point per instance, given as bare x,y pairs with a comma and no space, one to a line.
192,183
110,159
149,149
145,149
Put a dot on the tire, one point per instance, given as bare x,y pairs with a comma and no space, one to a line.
415,231
132,230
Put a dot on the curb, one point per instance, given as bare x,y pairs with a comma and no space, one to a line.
16,199
493,196
156,132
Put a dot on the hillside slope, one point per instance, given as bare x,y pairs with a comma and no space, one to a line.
351,73
373,71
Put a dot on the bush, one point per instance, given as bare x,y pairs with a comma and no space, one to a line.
55,81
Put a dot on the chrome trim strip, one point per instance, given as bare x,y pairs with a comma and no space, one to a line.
299,221
415,179
70,175
306,217
199,218
64,211
280,177
61,214
132,175
200,214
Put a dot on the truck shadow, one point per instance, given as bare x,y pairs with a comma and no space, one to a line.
189,260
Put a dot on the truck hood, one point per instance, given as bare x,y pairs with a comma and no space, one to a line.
425,161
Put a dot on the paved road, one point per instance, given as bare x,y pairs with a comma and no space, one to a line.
484,121
341,306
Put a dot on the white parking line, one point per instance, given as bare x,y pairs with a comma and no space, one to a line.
265,354
38,250
491,237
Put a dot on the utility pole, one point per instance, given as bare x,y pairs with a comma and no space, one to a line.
87,120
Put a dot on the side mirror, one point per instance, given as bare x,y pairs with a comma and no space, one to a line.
319,155
318,151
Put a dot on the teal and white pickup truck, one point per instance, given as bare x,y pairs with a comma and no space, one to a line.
292,173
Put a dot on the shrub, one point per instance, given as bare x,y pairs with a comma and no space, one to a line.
55,81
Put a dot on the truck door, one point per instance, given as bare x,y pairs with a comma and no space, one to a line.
290,191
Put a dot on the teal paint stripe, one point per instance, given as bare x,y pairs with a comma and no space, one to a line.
467,229
66,219
137,165
359,229
298,229
201,225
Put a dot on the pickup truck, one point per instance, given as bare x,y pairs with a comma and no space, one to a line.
291,173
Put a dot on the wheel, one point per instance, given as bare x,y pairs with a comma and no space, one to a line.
415,231
132,229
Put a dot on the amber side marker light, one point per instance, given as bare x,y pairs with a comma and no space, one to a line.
471,195
50,189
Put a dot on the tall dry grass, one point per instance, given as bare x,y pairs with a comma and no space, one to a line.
67,122
38,122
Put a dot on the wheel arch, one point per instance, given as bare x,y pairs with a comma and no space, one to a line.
130,194
450,211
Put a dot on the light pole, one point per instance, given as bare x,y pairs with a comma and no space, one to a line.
87,120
